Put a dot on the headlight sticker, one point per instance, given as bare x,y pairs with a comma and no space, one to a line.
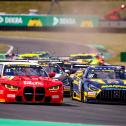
54,88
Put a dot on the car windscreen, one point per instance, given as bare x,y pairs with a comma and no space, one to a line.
104,74
54,68
24,70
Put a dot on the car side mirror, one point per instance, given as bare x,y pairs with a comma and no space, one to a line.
52,74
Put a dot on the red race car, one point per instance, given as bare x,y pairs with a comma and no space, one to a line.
24,82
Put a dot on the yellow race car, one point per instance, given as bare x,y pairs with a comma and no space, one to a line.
34,55
86,58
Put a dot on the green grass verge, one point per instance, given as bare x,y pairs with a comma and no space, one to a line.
14,122
4,48
113,41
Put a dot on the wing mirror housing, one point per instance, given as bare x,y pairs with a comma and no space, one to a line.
52,74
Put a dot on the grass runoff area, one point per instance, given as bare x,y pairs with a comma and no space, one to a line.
112,41
3,48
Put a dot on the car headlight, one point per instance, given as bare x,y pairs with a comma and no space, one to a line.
93,88
11,87
54,88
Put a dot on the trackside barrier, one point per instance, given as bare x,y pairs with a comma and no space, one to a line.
48,20
58,23
123,56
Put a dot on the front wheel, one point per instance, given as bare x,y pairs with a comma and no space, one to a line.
71,91
83,97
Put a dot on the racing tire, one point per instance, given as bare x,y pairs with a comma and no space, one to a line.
71,89
71,94
83,97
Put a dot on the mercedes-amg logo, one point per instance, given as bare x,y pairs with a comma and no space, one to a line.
116,94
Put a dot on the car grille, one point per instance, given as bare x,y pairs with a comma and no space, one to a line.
112,95
39,93
30,93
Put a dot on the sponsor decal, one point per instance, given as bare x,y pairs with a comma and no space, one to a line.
1,19
1,91
18,65
64,21
32,83
113,86
55,96
11,20
55,21
11,95
98,80
91,93
113,81
87,24
35,22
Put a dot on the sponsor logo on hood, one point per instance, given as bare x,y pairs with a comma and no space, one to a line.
111,81
32,83
113,86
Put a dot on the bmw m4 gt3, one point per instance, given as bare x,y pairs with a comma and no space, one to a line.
25,82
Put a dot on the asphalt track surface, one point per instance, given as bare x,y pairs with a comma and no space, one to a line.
70,111
58,48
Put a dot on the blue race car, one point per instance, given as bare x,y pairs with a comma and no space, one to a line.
100,83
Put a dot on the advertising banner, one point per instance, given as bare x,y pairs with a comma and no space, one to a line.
23,20
48,21
75,21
